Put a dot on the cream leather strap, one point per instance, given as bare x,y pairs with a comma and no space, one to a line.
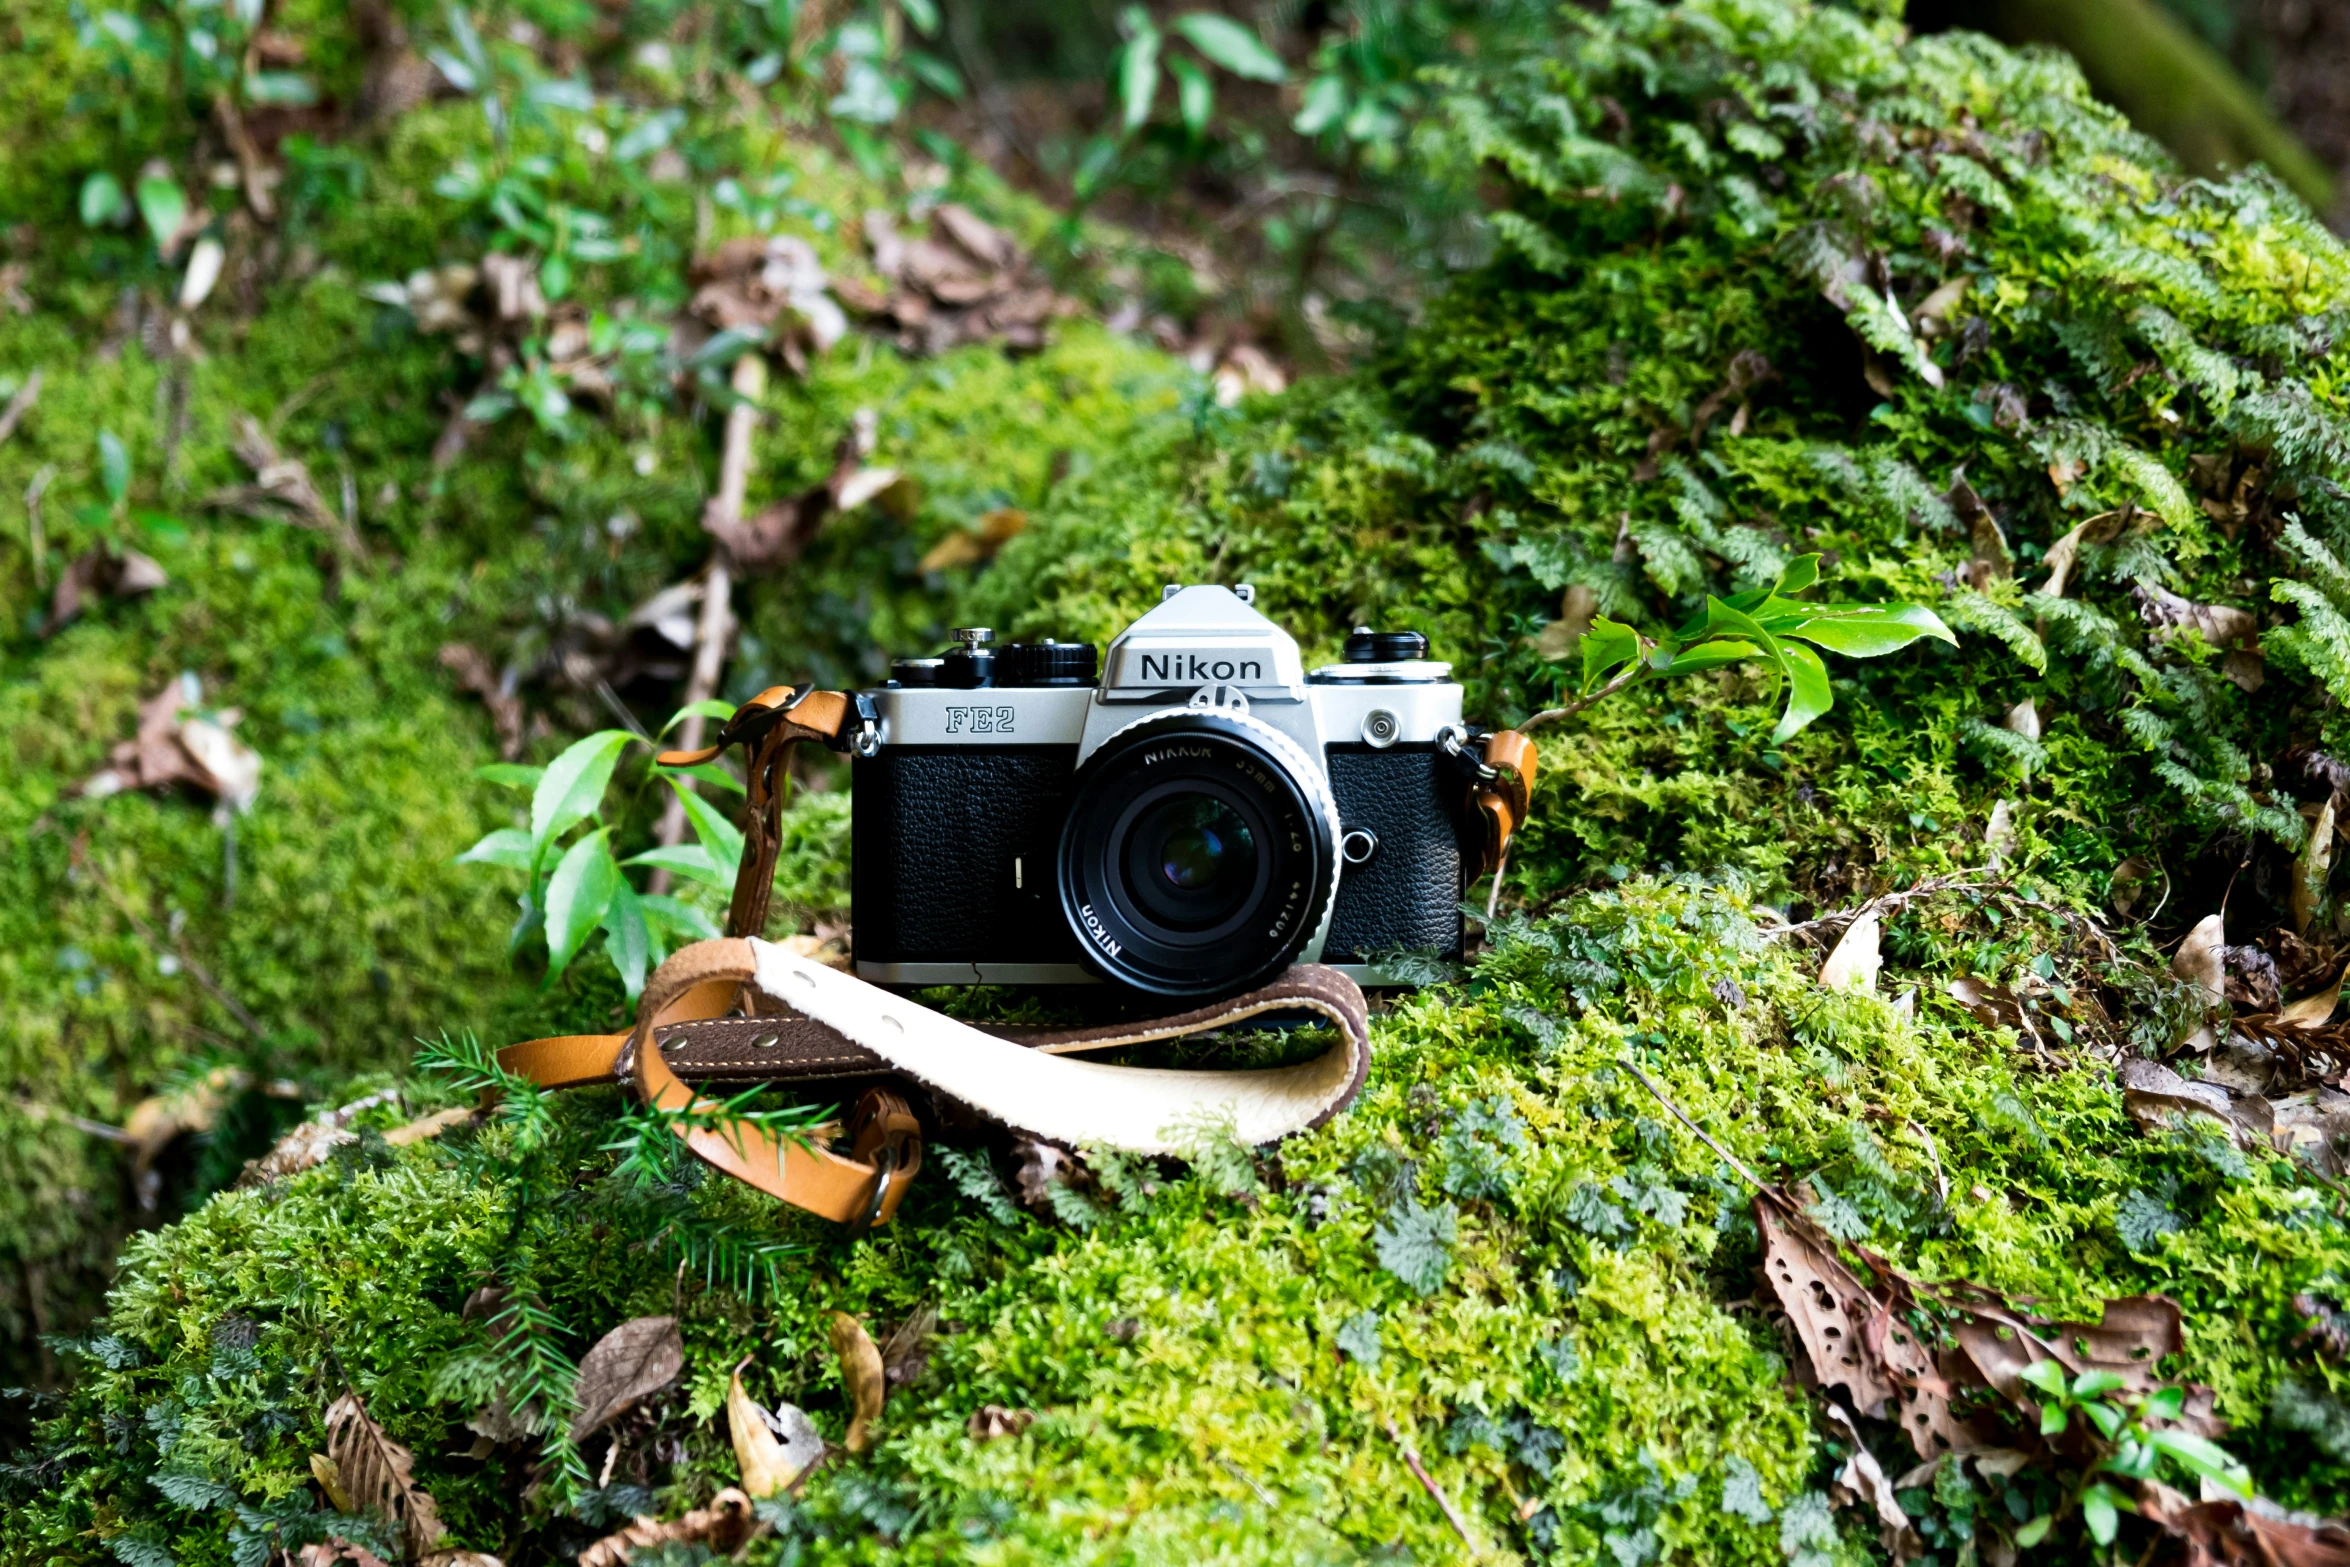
839,1027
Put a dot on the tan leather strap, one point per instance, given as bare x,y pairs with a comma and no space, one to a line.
705,980
1499,796
767,726
841,1027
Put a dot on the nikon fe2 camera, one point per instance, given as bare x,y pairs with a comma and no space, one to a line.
1204,814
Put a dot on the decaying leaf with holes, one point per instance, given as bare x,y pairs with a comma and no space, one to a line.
2224,1532
632,1362
722,1526
774,1450
861,1370
1962,1394
377,1475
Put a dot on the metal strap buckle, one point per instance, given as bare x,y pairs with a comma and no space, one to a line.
1456,738
885,1160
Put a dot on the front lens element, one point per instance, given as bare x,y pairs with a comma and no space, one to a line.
1190,860
1198,855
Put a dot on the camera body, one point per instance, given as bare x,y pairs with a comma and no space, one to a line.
1204,814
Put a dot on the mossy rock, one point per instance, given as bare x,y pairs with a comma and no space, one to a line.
1703,349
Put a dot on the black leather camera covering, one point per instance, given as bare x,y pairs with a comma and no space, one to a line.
1408,895
936,830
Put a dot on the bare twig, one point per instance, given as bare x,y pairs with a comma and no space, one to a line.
1501,869
1886,902
1452,1514
20,405
34,1110
716,623
1245,1478
1703,1136
1622,678
35,539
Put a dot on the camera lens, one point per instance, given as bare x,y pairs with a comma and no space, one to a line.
1191,860
1199,854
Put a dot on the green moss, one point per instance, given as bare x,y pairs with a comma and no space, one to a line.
1558,1280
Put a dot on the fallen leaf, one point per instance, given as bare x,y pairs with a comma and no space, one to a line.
2065,552
204,263
377,1474
1990,560
2310,872
174,746
1932,314
773,289
2201,958
2225,1532
330,1482
780,531
2156,1097
1036,1166
1993,1006
1245,369
1999,832
2129,882
1857,957
906,1353
282,489
2232,631
861,1370
970,546
105,573
335,1549
722,1526
1865,1339
2024,719
992,1421
1561,637
632,1362
2312,1011
967,282
1862,1481
773,1451
460,1559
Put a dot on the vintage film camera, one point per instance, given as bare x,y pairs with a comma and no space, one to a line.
1203,815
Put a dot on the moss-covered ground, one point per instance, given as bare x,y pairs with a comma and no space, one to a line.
1769,280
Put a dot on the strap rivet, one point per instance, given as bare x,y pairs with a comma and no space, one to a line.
767,1041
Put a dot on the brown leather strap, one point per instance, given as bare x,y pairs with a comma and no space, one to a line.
683,1032
1500,800
767,726
705,980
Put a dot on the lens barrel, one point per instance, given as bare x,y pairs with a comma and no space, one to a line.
1196,860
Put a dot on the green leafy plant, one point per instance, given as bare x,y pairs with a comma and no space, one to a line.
2134,1439
577,889
1765,623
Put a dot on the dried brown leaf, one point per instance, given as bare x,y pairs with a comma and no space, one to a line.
773,1451
1862,1482
1857,957
1561,637
968,547
634,1361
861,1370
722,1526
330,1482
2229,1533
2311,870
174,746
993,1421
102,573
2201,958
377,1474
333,1551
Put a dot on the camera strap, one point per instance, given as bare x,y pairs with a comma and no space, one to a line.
743,1009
